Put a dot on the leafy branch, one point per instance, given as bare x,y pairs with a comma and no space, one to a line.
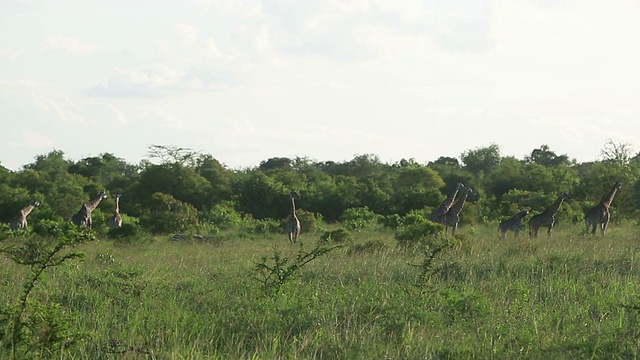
273,271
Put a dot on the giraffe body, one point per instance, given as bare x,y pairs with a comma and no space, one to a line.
83,216
547,217
115,221
438,215
293,224
514,224
452,216
599,215
20,221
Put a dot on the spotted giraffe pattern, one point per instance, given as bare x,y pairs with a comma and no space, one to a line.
438,215
293,225
452,217
547,217
599,215
514,224
115,221
20,221
83,216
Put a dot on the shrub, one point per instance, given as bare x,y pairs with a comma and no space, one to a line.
391,221
415,229
356,219
166,214
223,216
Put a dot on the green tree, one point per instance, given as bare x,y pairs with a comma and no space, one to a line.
175,179
165,214
545,157
415,188
481,160
263,197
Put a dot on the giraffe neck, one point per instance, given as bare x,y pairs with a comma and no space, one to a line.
606,201
118,204
457,207
27,210
293,207
91,205
446,205
551,210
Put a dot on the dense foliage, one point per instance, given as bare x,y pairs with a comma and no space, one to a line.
178,190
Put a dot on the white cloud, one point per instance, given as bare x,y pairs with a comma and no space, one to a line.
10,54
31,141
68,45
60,107
186,32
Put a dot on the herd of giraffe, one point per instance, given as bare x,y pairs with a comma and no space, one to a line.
448,214
81,218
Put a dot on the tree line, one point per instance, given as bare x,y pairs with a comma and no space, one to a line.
176,189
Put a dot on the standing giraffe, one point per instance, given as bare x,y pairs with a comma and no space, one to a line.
514,223
599,215
452,217
438,215
547,217
115,221
293,225
83,216
20,221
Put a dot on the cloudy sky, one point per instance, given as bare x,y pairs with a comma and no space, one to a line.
248,80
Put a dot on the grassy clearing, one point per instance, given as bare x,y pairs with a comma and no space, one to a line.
488,298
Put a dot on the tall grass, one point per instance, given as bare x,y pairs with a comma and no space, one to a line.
487,298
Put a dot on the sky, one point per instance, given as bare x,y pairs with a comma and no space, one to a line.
328,80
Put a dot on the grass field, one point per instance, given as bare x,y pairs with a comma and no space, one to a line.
566,297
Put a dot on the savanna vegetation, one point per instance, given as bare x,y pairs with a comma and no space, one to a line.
372,277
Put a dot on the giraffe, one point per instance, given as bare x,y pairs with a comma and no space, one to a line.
438,214
293,225
115,221
83,216
452,217
547,217
599,215
514,223
20,221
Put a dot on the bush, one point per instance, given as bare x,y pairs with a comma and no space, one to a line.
356,219
223,216
341,235
261,226
392,221
166,214
415,229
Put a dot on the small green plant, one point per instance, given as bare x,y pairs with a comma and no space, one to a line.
27,326
273,271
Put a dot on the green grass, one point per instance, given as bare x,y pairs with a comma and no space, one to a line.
487,298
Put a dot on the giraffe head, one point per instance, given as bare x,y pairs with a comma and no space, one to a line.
103,195
564,196
35,203
294,195
617,185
